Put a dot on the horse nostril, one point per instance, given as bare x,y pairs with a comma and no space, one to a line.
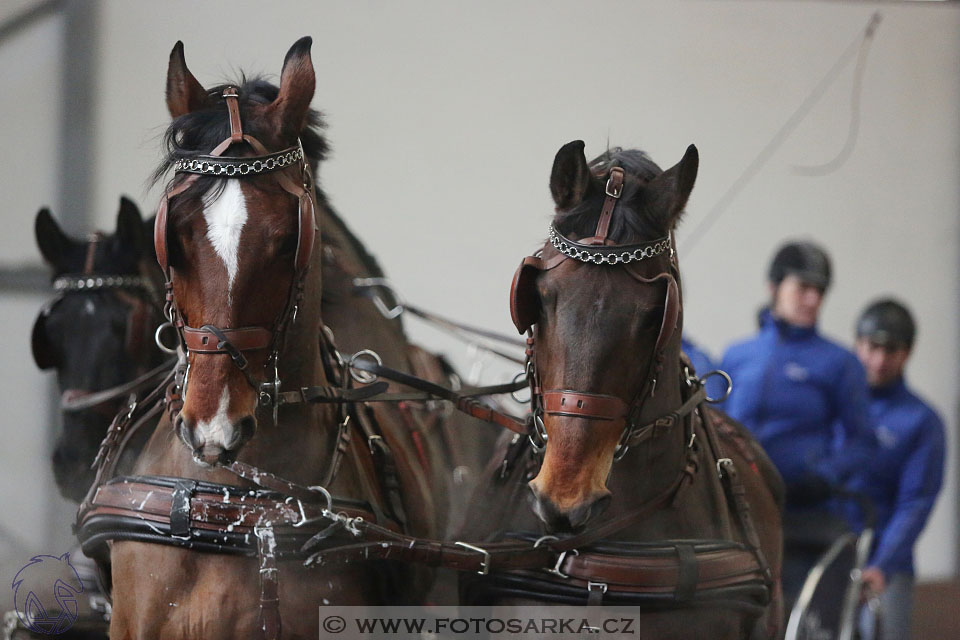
182,427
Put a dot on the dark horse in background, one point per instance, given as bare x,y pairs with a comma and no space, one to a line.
234,249
629,455
97,333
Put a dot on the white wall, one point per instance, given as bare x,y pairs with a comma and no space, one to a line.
33,518
444,119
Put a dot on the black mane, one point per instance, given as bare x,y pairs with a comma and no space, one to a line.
629,224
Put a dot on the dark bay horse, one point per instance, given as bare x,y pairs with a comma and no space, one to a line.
97,333
630,455
243,266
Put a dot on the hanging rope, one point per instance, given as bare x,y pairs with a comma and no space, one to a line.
854,129
861,44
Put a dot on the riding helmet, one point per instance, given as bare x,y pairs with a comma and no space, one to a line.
803,259
887,322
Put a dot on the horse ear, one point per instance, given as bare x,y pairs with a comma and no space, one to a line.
51,239
130,229
570,177
668,192
184,93
297,83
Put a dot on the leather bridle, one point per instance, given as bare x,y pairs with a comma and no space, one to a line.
599,250
235,341
136,292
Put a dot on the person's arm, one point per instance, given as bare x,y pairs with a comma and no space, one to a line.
920,483
850,403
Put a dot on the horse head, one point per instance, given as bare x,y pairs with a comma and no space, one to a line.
234,235
604,299
97,332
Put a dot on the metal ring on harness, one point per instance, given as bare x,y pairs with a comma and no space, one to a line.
303,516
541,431
513,394
361,376
157,338
725,376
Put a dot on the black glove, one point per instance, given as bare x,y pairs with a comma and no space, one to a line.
810,490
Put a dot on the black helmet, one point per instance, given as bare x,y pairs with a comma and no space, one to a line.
887,322
803,259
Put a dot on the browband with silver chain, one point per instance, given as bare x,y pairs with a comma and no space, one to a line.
234,166
617,254
92,283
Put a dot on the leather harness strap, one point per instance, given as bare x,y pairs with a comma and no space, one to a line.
613,190
88,264
580,404
231,96
206,340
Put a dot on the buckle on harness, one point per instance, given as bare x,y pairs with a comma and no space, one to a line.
721,463
485,563
560,559
611,190
601,586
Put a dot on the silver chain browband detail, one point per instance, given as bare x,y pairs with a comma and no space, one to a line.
230,167
622,254
94,283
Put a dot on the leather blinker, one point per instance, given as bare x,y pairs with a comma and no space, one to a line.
43,353
524,304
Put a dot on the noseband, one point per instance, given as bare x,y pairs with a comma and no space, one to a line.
233,342
597,250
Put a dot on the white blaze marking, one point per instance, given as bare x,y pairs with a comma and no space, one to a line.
219,429
225,218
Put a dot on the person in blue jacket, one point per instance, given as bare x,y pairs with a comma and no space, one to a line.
793,388
704,364
906,473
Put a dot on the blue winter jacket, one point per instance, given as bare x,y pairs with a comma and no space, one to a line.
791,388
905,475
703,364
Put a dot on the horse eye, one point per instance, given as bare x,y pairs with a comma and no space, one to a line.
289,245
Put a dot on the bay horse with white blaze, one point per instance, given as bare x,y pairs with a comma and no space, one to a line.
653,499
260,387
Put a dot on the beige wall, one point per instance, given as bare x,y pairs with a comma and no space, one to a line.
444,118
